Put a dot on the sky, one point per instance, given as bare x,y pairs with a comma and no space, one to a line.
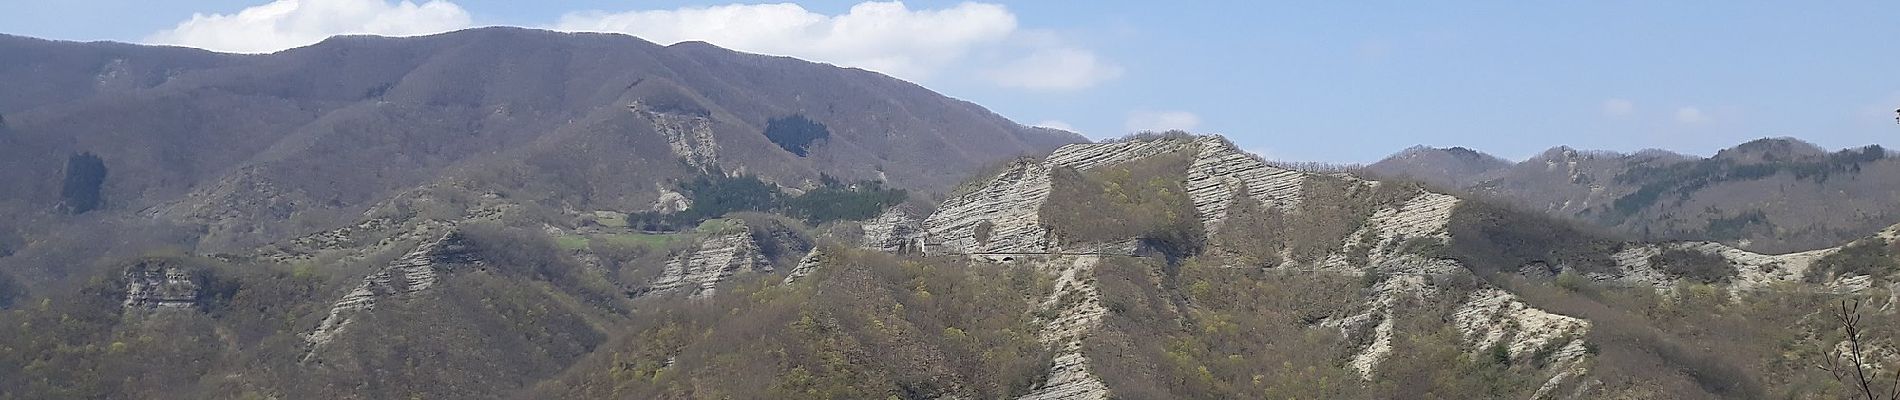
1346,81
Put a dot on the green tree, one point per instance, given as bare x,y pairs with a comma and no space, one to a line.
85,175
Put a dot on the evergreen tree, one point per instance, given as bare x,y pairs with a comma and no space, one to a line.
85,176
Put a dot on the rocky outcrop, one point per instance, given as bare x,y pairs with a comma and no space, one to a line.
811,262
1001,214
998,216
1380,317
690,136
1078,309
997,220
1492,318
1220,172
160,285
893,231
711,262
1753,271
413,273
1385,233
670,201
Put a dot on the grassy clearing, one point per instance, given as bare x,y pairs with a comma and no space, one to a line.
570,242
642,239
610,219
652,241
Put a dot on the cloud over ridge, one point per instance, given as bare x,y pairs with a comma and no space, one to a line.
284,24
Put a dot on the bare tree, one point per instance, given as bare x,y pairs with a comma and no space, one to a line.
1858,376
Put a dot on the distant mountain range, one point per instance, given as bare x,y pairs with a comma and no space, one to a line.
1772,195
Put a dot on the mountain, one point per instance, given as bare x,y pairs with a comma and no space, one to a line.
1454,167
222,153
1180,267
525,214
1771,195
1166,266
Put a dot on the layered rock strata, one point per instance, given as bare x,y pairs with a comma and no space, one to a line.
712,261
413,273
1078,309
158,285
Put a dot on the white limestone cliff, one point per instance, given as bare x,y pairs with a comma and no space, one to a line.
690,136
413,273
712,261
1078,309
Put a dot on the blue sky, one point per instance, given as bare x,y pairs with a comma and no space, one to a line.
1310,81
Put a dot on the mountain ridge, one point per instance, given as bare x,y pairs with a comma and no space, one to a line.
1772,194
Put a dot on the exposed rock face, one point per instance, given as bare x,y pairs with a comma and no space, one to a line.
811,262
158,285
1220,172
1752,270
1069,375
671,201
1492,317
1000,216
415,272
713,261
893,231
998,220
1423,217
689,135
1379,317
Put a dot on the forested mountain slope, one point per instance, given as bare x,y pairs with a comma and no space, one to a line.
141,147
1771,195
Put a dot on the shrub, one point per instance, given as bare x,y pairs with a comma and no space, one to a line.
1142,199
1488,237
1865,257
1694,265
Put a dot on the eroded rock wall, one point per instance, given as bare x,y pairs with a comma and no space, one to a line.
690,136
413,273
712,261
160,285
1070,377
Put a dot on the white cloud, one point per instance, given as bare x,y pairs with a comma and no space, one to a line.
1691,115
1162,121
284,24
1618,107
1060,68
1056,124
886,37
883,36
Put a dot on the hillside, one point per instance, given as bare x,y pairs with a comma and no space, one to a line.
508,213
1165,266
1770,195
158,147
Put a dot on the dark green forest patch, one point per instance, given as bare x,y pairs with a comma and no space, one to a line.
795,133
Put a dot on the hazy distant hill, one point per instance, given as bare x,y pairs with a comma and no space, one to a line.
1773,195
